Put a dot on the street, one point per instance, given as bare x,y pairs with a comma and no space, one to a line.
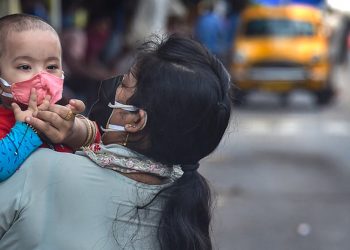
281,176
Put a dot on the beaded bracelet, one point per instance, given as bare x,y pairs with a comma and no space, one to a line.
28,125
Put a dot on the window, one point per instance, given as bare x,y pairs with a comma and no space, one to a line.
278,27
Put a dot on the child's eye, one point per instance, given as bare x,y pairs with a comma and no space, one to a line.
24,67
52,67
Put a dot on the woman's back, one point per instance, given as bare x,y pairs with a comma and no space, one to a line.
56,202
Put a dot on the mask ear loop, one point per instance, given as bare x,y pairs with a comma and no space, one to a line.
6,84
116,128
111,127
118,105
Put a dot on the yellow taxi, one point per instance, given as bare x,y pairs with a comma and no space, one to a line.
281,49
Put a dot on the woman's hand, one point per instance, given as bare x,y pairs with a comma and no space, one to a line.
77,106
59,125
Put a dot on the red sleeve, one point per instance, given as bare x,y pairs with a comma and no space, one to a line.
7,121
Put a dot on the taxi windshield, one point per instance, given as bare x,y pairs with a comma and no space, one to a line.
278,27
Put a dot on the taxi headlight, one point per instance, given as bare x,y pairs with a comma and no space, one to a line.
318,75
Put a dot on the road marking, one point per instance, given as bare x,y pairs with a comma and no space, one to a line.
337,128
292,127
287,128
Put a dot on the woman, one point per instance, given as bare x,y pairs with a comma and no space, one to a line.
170,111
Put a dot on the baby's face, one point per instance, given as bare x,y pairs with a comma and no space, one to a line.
29,52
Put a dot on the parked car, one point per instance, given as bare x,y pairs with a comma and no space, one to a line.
281,49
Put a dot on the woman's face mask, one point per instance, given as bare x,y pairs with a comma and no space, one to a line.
110,127
106,106
100,111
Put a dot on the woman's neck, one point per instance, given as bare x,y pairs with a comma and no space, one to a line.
145,178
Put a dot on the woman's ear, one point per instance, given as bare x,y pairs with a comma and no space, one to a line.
139,123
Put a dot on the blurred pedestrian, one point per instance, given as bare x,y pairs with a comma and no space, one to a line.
82,44
35,8
210,29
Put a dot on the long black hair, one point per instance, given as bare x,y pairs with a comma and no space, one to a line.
185,91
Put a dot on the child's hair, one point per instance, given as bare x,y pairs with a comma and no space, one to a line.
19,23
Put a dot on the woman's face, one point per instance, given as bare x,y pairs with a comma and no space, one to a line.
119,116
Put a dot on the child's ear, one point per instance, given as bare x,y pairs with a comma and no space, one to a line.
139,123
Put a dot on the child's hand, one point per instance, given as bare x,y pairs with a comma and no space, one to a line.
32,109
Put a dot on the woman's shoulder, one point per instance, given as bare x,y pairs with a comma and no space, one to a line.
44,158
76,189
51,156
45,162
75,174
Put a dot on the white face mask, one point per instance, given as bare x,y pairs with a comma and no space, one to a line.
113,128
117,105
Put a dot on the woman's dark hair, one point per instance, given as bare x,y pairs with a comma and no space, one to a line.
185,91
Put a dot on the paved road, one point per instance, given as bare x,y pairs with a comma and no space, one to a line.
282,175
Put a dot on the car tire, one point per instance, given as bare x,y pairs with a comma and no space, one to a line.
324,96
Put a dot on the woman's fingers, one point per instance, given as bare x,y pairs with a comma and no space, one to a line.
77,106
52,118
44,120
45,128
62,111
57,114
56,123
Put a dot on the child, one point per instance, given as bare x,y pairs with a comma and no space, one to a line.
30,60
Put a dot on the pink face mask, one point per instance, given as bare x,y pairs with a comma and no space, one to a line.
44,83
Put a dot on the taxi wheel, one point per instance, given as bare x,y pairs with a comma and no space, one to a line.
325,96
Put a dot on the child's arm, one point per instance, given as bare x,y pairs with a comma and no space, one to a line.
22,140
16,147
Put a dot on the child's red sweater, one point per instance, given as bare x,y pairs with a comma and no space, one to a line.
7,121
